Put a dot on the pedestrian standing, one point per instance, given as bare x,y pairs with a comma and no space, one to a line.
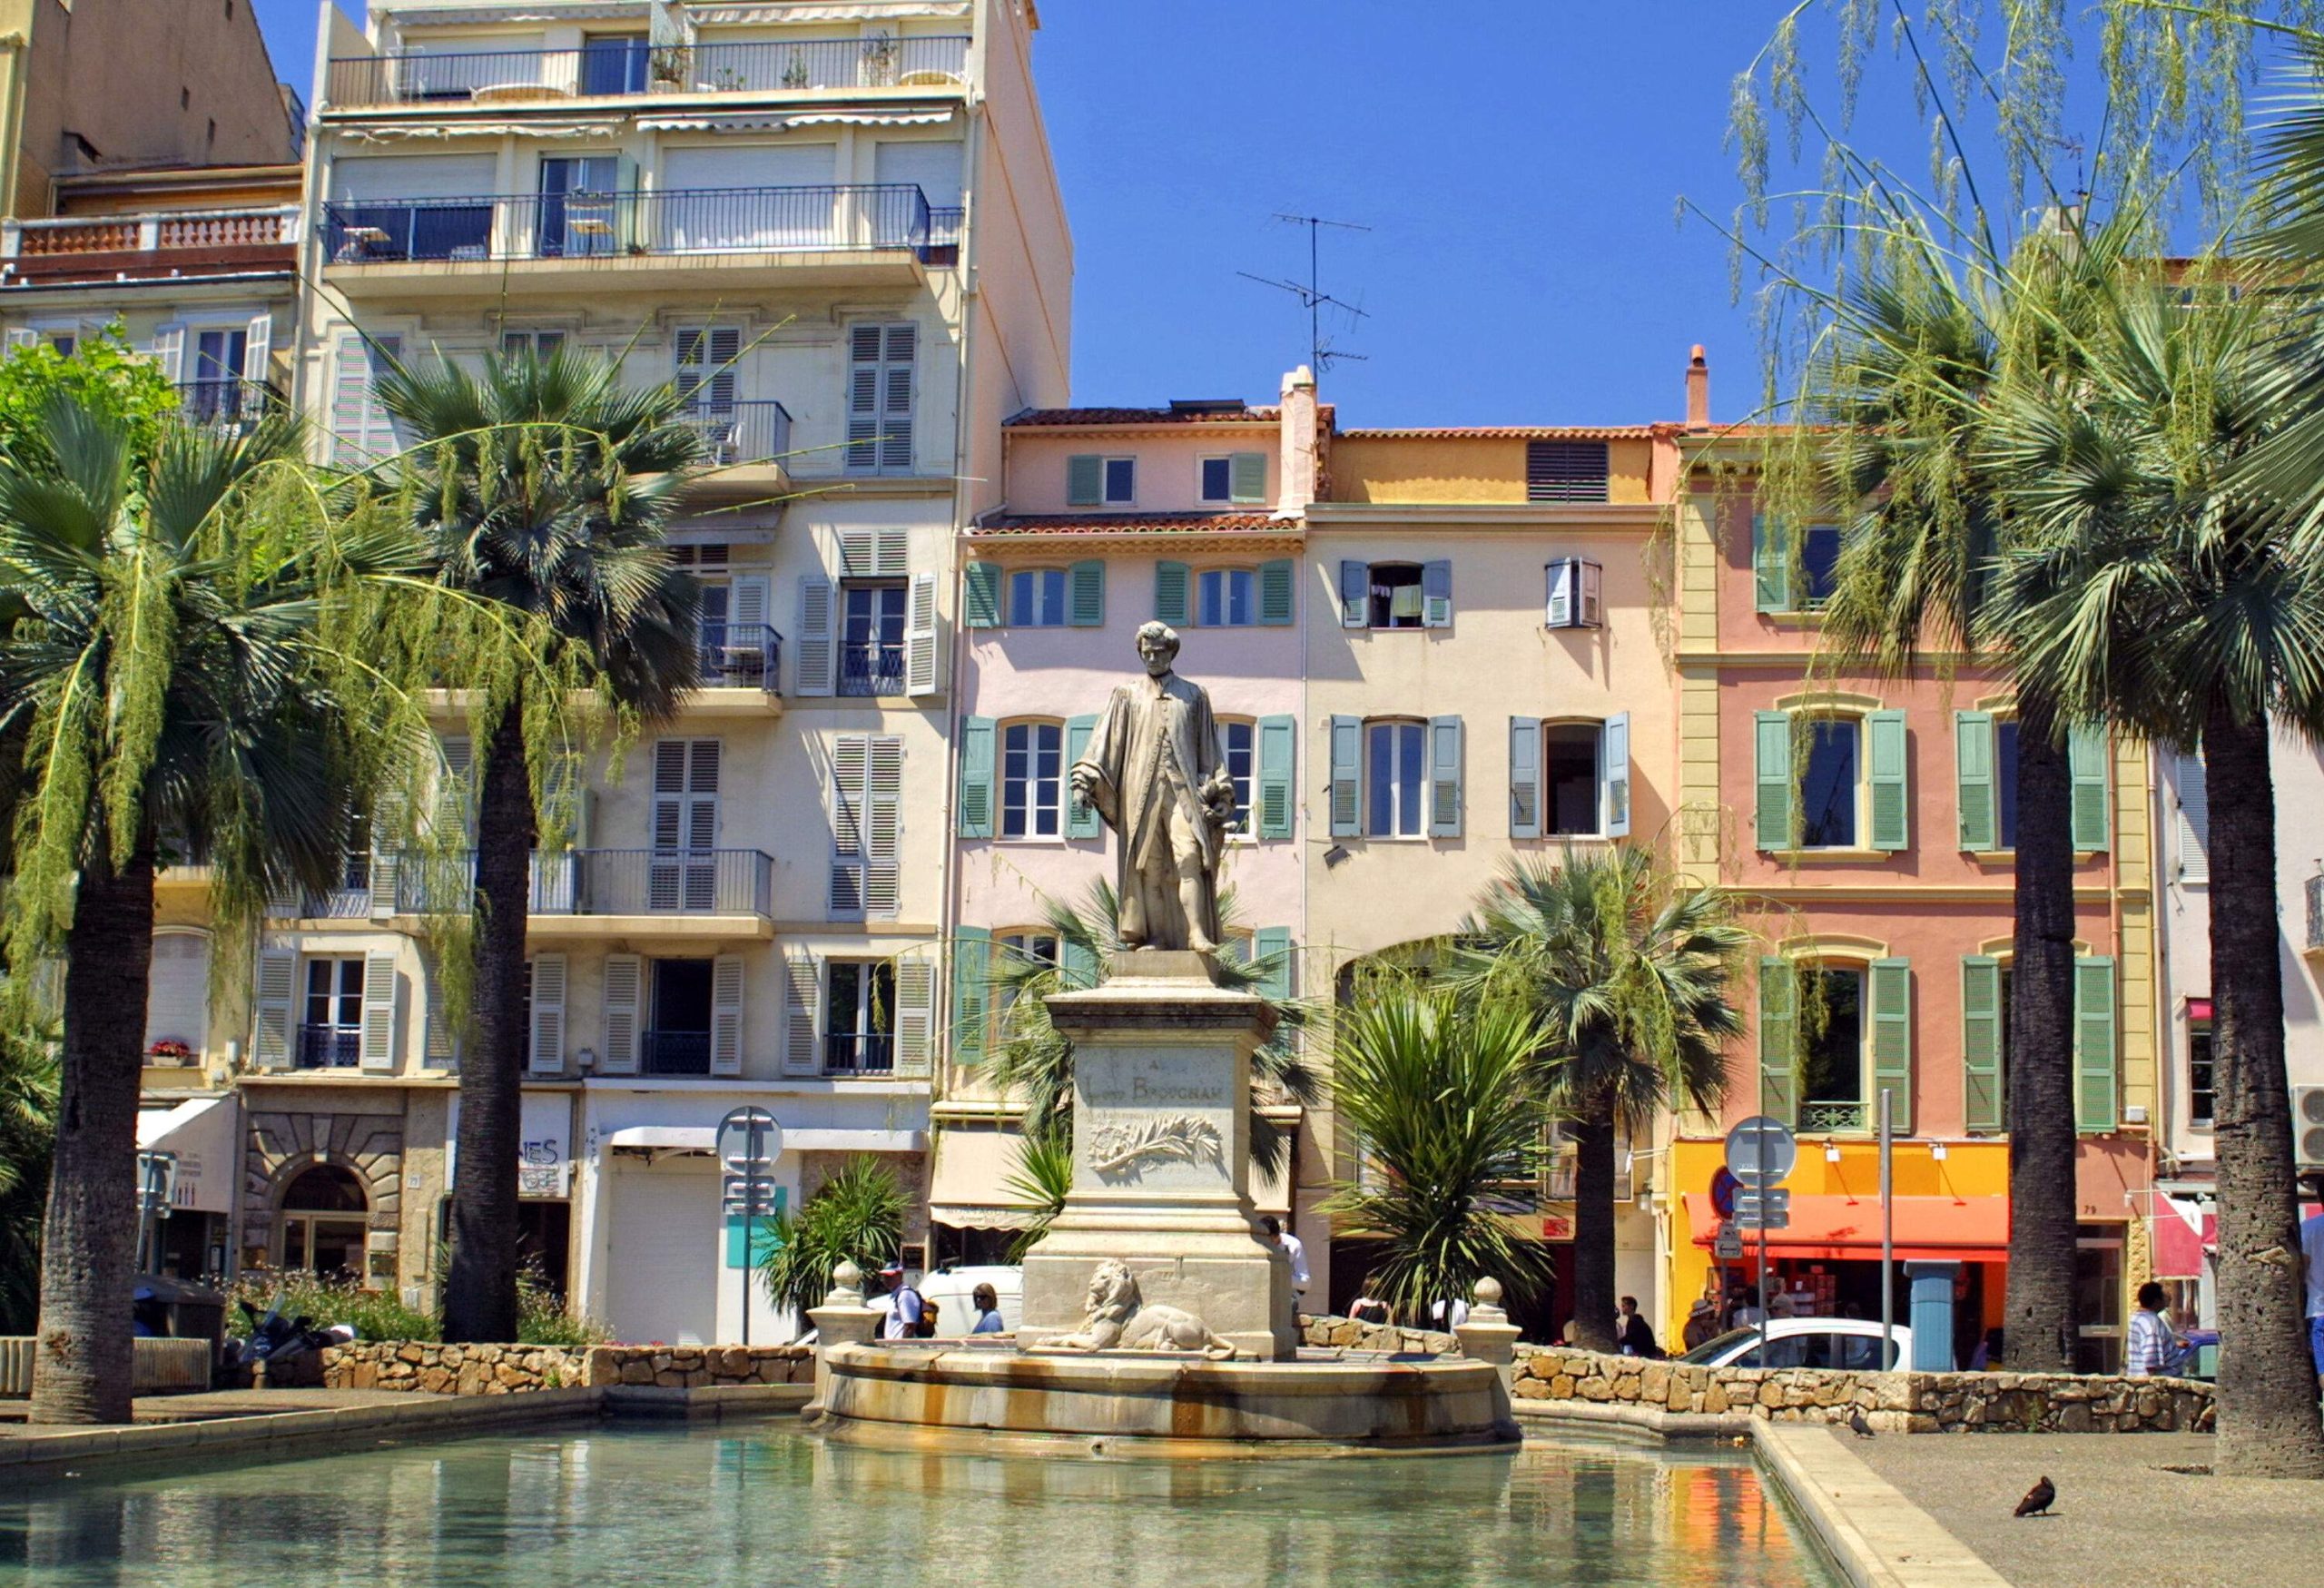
1637,1336
2311,1247
987,1301
1295,1251
898,1304
2155,1349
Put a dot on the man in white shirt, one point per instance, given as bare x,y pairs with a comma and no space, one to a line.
899,1306
1296,1250
2311,1247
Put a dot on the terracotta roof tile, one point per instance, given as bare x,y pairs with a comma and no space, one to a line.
1515,433
1140,415
1137,524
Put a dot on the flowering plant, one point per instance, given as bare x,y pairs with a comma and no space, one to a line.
170,1048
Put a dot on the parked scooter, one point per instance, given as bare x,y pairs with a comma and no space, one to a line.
274,1339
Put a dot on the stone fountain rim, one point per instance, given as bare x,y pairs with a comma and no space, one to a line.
1133,1372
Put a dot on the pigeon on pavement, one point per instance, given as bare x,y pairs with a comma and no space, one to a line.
1856,1422
2038,1499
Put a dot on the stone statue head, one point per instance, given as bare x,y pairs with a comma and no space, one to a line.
1158,647
1112,1293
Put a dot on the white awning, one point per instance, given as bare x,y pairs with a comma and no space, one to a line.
439,132
203,1132
741,15
969,1187
745,122
705,1138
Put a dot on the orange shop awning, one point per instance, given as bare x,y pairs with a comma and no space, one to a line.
1973,1229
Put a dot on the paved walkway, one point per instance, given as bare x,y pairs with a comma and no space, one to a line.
2121,1516
224,1403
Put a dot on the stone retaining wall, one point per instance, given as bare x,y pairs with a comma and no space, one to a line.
429,1369
1345,1332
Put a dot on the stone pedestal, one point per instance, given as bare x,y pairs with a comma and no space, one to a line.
1489,1337
1161,1157
842,1320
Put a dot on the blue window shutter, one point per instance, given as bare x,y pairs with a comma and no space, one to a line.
2086,767
1444,777
1277,582
2097,1072
977,736
1173,583
1436,595
1771,750
1085,604
1982,1107
1972,779
1891,991
1614,747
1892,819
1085,481
1778,1040
1770,567
1081,820
1348,778
1355,595
1278,748
1524,777
1249,473
983,603
971,991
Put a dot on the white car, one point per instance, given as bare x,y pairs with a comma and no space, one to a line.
954,1290
1850,1344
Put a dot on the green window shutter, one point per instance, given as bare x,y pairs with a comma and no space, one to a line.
1085,480
1081,820
1892,1040
977,735
1892,806
971,991
1972,778
1172,581
1444,777
1248,472
1271,951
1076,963
1085,602
1771,741
2086,767
1779,1039
1278,748
1770,567
1524,777
1348,778
1355,595
983,604
1436,595
2097,1068
1982,1038
1277,584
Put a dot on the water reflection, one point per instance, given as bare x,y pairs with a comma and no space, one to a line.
768,1507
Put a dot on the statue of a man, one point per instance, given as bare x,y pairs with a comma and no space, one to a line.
1155,773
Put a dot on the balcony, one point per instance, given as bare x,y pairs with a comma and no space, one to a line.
607,884
741,656
165,245
1835,1119
627,68
330,1046
233,406
673,1052
859,1053
648,238
736,435
870,667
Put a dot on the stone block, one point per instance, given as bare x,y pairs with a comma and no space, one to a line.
437,1380
1715,1398
366,1375
411,1351
1531,1389
638,1371
1654,1384
1768,1394
1561,1388
473,1378
669,1378
2073,1417
1597,1389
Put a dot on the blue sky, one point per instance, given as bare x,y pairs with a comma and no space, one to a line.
1518,164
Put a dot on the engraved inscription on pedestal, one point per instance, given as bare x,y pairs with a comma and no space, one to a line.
1156,1119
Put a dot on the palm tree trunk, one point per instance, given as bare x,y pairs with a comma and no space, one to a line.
81,1368
2038,1311
1593,1325
2267,1421
480,1290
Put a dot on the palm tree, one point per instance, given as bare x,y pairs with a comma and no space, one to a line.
2154,583
1443,1096
544,488
1629,973
857,1216
164,671
1029,1059
1043,1181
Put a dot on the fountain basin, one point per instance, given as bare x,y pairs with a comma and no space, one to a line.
1156,1404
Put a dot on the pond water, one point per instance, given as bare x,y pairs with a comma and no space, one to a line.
765,1507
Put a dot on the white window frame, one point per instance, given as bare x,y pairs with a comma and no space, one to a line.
1861,837
1247,787
528,338
1225,575
1417,747
1039,577
866,1003
1032,810
1022,942
1105,497
1598,780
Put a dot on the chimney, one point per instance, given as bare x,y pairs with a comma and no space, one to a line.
1698,391
1295,469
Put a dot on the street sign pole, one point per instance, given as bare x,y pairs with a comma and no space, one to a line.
748,1142
1887,1232
1760,1153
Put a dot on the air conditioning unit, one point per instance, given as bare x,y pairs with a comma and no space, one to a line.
2308,1125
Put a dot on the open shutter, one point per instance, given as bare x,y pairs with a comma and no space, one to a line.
1278,749
971,993
278,986
1173,584
915,1017
1436,595
2194,825
1276,592
22,336
1085,601
1615,748
747,624
1085,480
2097,1074
1247,473
386,837
851,772
726,1015
1770,569
547,1056
1347,776
2086,768
803,1009
443,1044
1891,826
981,602
1779,1041
1972,779
1591,580
169,353
883,826
977,737
811,673
1355,595
1444,777
920,638
455,799
624,1001
1981,1044
379,1033
1558,599
1077,964
258,351
1081,820
1892,1040
1524,777
1271,951
1771,749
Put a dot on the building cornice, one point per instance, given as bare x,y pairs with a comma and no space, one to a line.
1632,517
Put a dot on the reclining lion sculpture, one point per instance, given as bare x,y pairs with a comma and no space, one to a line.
1115,1320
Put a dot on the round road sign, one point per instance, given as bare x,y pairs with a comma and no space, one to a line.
1761,1150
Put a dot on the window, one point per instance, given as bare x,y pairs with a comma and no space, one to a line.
1819,561
1575,597
1827,786
323,1222
215,392
1794,570
1395,754
2193,828
1019,951
677,1042
1240,476
1092,481
1226,599
860,1018
2098,1297
613,64
2202,1092
1395,594
881,382
1037,597
362,430
330,1028
1032,779
1831,1077
1241,740
577,218
542,345
177,991
1571,771
1570,780
872,636
1121,481
1565,472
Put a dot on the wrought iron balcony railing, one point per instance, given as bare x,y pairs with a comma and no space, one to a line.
673,1052
870,667
741,655
330,1046
605,881
231,405
1823,1118
621,68
838,217
741,432
859,1053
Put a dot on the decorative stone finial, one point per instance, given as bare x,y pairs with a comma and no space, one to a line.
1488,1297
847,1286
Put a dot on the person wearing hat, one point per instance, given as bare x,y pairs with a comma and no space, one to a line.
898,1304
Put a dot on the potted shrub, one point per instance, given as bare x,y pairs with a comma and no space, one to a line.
169,1054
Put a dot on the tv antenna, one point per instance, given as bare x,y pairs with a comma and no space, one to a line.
1321,354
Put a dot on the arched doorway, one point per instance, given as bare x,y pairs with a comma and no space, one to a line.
322,1221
